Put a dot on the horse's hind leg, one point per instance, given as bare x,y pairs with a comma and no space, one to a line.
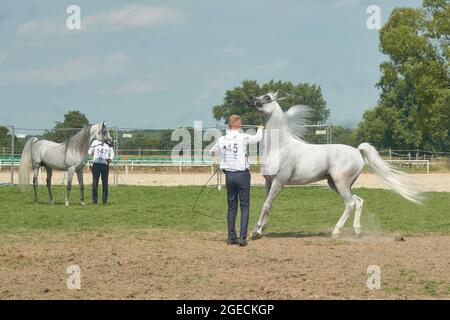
81,183
35,183
359,203
274,190
49,184
70,173
345,192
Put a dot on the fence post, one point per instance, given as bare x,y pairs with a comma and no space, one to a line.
116,165
330,139
13,135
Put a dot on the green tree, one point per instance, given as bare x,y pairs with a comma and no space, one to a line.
343,135
5,137
73,121
140,140
414,106
5,143
302,93
166,143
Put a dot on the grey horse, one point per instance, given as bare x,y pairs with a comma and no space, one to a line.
289,160
70,155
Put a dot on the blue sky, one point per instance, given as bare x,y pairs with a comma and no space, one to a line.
163,64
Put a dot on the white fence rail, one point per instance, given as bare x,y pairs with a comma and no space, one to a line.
426,163
124,168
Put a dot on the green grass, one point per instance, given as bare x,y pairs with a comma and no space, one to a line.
304,209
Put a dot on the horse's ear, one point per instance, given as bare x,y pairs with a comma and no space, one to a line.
275,95
104,123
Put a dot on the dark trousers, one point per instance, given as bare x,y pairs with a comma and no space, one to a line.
238,187
98,170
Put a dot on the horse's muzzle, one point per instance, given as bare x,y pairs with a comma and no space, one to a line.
109,142
252,102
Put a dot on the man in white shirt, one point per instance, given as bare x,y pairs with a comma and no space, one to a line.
232,149
102,154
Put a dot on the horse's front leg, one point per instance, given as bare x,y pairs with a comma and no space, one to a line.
70,173
35,183
81,183
267,187
275,188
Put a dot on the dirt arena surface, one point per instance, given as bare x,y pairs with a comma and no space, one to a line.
437,182
160,264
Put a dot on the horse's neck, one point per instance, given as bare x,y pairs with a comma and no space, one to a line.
81,142
278,140
278,134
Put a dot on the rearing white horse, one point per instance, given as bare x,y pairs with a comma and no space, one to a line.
289,160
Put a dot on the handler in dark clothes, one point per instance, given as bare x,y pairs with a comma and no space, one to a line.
102,153
234,163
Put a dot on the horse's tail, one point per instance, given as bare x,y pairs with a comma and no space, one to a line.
393,178
25,163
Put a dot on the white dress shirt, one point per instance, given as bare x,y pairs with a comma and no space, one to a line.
101,152
232,149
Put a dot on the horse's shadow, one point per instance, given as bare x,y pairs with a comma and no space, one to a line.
298,234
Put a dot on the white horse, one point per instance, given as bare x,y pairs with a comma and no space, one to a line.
291,161
70,155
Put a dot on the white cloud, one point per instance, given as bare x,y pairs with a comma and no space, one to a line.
73,70
40,26
132,16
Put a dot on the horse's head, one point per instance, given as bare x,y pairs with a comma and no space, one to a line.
102,133
265,104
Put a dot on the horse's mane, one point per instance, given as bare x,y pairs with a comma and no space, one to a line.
80,140
297,117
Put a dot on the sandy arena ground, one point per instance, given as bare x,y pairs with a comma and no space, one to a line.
438,182
157,264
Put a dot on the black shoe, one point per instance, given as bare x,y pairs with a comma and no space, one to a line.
242,242
232,241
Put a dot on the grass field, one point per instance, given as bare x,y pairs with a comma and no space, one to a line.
305,209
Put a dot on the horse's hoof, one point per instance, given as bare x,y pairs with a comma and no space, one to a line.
255,235
335,234
67,204
358,232
83,203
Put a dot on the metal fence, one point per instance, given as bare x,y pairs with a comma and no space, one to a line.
7,155
152,151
